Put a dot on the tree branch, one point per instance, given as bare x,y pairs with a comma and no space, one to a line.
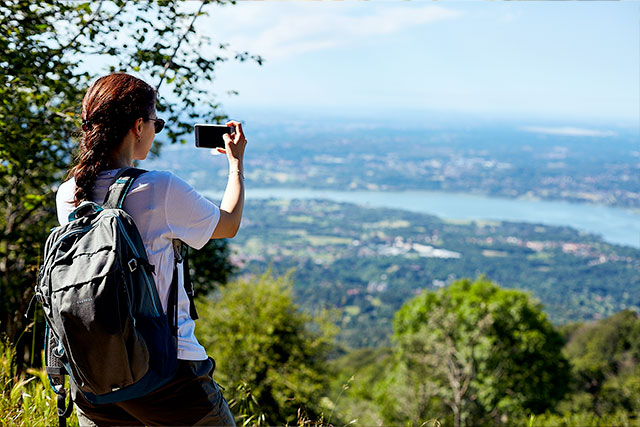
184,36
93,17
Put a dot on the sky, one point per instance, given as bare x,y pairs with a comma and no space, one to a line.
574,62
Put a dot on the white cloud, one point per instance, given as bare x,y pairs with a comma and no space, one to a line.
276,32
568,131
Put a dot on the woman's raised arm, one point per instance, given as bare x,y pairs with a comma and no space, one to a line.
233,198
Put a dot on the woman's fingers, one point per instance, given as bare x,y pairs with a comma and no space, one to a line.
235,141
234,123
238,135
239,131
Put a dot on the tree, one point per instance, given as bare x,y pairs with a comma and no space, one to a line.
474,354
266,350
45,48
210,267
605,359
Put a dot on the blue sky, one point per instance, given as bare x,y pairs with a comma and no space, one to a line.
571,61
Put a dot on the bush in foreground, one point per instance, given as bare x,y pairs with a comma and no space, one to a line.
270,356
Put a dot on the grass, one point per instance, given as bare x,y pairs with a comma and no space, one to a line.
26,400
585,419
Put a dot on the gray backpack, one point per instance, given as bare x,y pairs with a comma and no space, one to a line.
106,328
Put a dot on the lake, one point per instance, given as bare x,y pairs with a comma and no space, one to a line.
615,225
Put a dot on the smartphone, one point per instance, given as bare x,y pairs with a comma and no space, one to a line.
210,136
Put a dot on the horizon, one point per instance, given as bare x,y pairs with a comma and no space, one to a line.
573,63
432,118
568,64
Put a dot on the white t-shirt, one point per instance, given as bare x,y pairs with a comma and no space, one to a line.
164,207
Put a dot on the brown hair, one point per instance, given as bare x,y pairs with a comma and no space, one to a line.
110,108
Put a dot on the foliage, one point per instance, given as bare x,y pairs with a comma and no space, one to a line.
210,267
583,419
358,371
26,400
48,51
40,94
605,359
271,356
473,354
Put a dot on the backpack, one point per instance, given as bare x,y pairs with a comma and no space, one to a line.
105,325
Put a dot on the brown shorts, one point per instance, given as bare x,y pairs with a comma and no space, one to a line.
191,398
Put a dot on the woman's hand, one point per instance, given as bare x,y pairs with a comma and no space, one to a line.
234,145
233,198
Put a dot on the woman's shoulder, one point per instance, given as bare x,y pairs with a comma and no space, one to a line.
65,190
164,177
169,181
158,178
70,183
161,177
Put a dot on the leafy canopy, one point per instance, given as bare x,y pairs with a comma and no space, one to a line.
605,359
49,51
474,354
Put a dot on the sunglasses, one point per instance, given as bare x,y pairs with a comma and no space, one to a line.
158,124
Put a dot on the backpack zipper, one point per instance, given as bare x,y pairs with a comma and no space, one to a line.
59,241
69,233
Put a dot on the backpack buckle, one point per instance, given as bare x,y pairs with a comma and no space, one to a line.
177,250
133,264
58,351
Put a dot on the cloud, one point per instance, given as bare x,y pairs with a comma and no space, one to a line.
277,33
568,131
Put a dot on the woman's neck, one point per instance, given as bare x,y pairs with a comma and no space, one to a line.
122,156
118,163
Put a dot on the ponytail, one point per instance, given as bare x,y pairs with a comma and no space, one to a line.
109,109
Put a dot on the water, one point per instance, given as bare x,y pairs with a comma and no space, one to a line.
615,225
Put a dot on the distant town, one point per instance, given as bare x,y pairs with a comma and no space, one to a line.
497,161
367,262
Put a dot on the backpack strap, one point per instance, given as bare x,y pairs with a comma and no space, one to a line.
172,305
188,284
181,255
56,371
120,187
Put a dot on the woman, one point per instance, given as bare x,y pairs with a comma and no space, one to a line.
119,124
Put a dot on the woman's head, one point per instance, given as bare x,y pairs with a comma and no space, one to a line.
112,107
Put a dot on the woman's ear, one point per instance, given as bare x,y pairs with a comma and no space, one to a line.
137,127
